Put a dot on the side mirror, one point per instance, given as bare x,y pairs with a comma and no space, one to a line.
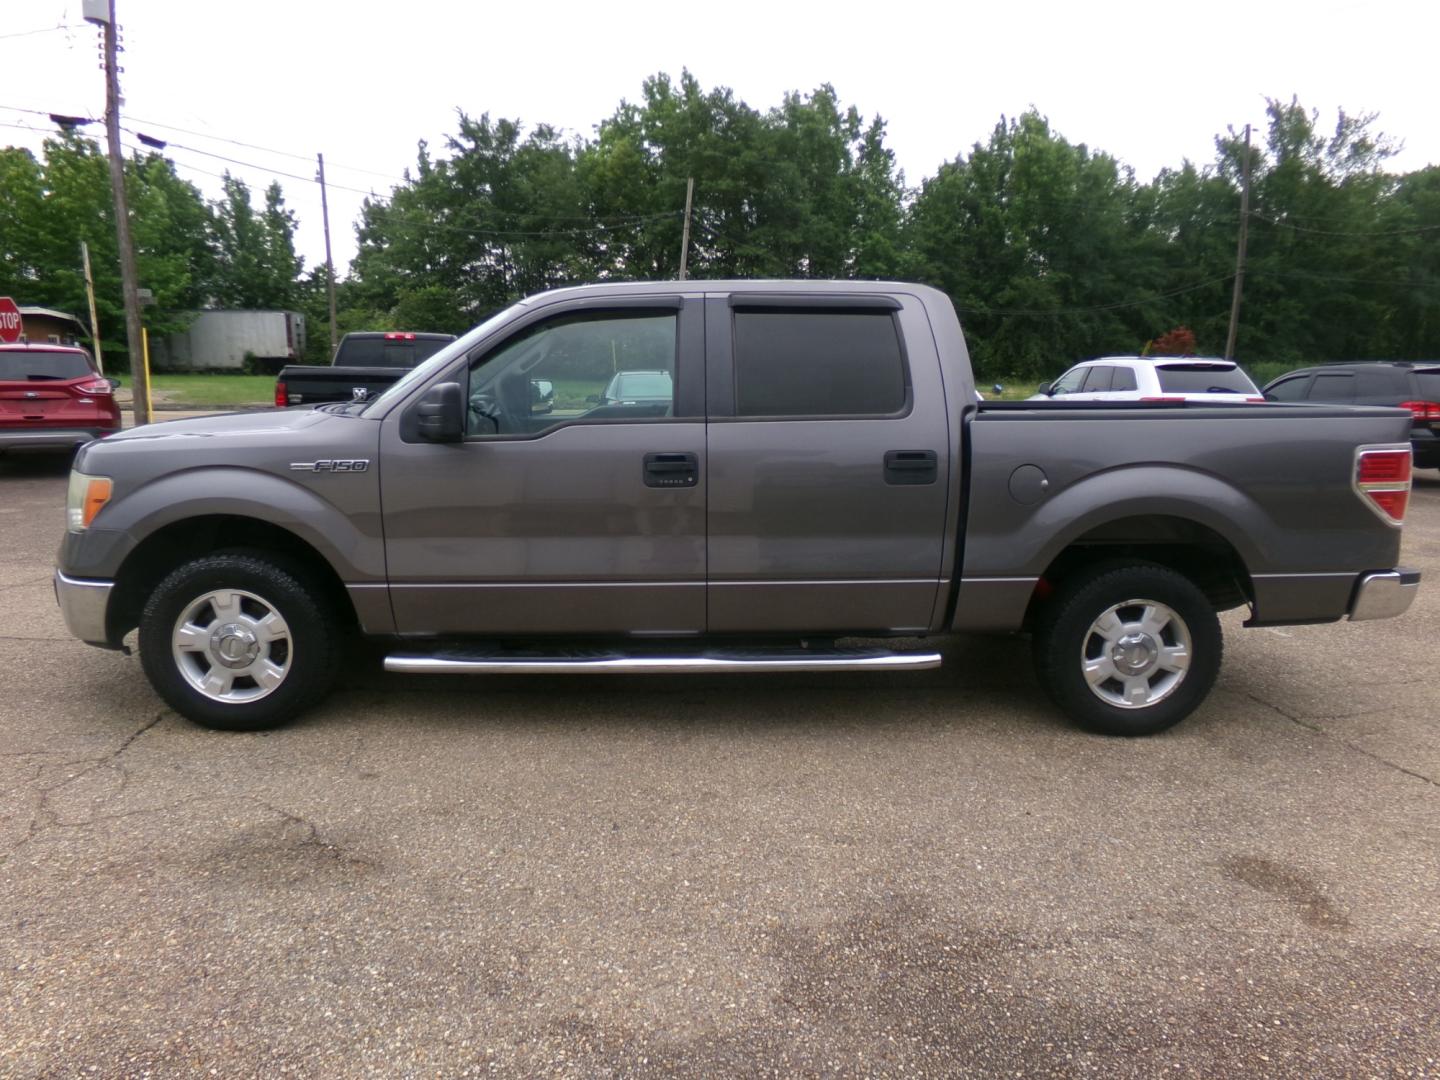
1044,388
593,399
114,383
440,414
998,388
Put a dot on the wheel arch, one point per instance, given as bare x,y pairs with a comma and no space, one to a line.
190,538
1191,548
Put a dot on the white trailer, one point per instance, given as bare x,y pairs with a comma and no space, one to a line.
226,340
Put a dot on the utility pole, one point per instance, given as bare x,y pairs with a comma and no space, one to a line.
685,239
90,294
1240,251
329,263
128,278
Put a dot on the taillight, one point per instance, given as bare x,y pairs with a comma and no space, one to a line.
1422,410
1259,399
282,396
1382,476
96,388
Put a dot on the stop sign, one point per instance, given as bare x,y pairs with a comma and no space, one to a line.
9,321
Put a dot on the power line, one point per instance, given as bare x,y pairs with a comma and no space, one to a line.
1327,232
42,30
265,149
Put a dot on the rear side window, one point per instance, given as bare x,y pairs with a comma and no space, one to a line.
1389,383
1203,379
817,363
1427,381
40,365
1332,388
1124,379
1098,381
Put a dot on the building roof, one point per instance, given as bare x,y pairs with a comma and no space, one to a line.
51,313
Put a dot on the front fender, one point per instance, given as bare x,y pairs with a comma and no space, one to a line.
343,524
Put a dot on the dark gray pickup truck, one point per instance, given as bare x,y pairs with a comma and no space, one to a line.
821,472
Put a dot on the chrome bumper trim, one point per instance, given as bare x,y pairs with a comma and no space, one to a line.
83,603
1384,594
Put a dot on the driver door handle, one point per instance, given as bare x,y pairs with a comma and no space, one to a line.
672,470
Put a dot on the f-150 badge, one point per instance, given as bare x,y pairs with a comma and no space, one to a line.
336,465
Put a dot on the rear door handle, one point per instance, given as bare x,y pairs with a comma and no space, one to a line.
911,466
672,470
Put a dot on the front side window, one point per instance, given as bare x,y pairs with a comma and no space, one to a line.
1099,379
590,367
818,363
1289,389
1068,383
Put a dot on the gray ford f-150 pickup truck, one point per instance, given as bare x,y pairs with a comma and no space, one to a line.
821,472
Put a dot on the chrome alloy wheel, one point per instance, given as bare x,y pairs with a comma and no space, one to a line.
1135,654
232,646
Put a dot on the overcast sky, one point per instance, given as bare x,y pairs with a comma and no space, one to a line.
1150,82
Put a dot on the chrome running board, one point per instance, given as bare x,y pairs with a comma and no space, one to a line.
460,661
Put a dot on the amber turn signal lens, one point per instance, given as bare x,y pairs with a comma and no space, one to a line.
97,494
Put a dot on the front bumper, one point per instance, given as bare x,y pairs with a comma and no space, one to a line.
50,438
83,604
1384,594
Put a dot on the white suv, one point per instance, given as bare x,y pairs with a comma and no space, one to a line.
1152,378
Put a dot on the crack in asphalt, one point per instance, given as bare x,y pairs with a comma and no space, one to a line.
1311,725
45,817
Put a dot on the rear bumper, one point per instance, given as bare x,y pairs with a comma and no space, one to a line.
50,438
1384,594
83,604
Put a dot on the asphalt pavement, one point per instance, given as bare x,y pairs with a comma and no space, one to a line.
845,875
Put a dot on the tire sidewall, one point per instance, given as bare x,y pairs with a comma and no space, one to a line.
312,661
1062,636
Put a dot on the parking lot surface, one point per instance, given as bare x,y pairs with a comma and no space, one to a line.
911,874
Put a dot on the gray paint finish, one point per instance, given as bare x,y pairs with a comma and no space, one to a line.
800,510
791,527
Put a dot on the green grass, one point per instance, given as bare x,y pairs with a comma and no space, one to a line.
209,391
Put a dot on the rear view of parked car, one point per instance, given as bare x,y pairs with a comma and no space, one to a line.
1410,386
1153,378
53,398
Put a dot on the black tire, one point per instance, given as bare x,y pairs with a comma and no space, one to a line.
307,657
1066,641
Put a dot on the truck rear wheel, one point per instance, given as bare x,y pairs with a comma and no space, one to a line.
238,642
1128,648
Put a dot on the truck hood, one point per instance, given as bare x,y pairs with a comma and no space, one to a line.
271,424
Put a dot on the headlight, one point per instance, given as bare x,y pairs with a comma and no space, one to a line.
83,500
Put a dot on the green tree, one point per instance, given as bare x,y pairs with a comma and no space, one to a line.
255,261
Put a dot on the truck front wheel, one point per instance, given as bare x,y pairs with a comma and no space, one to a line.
238,641
1128,649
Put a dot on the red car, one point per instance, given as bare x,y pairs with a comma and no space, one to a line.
52,398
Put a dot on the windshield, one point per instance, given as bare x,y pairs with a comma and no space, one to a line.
17,366
442,357
642,384
1204,379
